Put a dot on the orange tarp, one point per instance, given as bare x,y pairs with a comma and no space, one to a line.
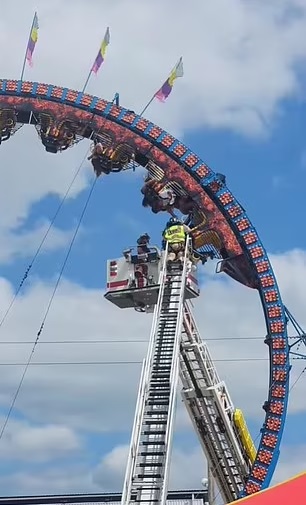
291,492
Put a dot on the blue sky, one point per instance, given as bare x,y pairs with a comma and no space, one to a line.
270,171
245,115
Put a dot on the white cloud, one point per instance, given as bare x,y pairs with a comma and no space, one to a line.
238,69
109,474
27,176
23,442
292,462
83,396
238,66
92,399
23,244
74,479
187,469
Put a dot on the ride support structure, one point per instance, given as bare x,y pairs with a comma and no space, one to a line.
64,117
176,350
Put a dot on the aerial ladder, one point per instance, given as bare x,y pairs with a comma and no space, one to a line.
175,350
148,461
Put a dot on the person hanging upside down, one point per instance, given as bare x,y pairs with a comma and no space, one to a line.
184,204
98,150
157,205
156,196
175,235
100,161
167,197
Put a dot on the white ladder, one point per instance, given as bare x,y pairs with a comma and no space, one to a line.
147,473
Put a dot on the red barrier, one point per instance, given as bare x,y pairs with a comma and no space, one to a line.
290,492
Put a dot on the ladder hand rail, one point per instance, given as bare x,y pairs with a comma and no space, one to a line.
157,309
175,372
144,378
131,456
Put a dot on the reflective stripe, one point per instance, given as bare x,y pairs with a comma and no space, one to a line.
175,233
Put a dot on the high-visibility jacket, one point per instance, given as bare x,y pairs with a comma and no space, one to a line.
175,233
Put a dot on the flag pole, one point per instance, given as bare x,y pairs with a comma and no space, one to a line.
148,105
25,56
87,81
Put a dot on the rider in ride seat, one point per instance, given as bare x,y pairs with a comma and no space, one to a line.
98,150
99,160
175,234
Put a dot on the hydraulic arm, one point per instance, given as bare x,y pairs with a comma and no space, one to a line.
211,411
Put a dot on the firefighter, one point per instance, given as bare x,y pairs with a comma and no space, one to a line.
143,244
175,234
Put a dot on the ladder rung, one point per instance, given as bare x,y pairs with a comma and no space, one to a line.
145,442
147,488
153,451
150,476
150,422
158,402
154,432
151,464
156,413
146,500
